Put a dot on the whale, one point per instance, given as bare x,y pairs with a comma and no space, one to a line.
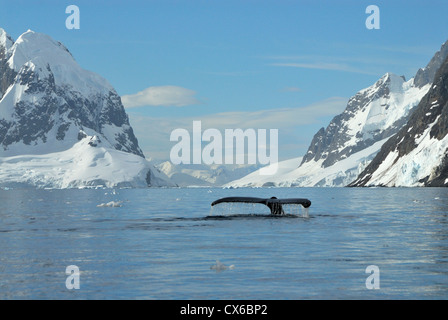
274,204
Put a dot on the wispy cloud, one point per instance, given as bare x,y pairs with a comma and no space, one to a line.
376,59
373,60
408,50
161,96
291,89
227,73
322,66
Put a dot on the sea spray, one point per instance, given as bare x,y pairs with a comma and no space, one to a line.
306,212
219,266
233,208
236,209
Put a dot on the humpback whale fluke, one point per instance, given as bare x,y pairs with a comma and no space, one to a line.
273,203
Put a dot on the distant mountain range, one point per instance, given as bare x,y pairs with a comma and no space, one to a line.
204,175
62,126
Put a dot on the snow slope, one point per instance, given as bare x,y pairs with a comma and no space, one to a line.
89,163
311,174
256,179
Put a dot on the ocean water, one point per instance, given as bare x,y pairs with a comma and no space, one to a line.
163,244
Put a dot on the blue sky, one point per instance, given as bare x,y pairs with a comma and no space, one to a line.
234,58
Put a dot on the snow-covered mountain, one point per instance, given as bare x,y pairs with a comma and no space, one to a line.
204,175
418,154
50,106
338,153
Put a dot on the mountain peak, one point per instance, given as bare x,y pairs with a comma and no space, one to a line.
46,98
426,75
46,56
391,78
5,40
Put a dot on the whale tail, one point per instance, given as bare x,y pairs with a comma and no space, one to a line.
274,204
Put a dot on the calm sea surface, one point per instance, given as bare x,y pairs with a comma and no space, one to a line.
161,244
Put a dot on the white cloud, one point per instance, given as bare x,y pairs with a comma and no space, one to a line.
161,96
